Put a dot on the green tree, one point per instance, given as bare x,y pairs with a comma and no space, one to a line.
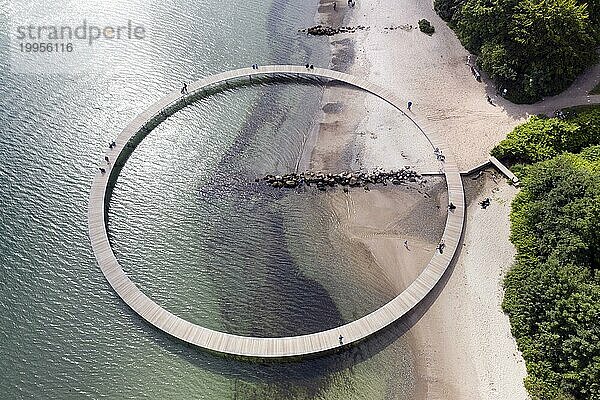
447,8
553,42
552,293
542,138
496,61
536,140
482,21
533,48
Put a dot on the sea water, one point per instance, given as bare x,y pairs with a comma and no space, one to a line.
186,220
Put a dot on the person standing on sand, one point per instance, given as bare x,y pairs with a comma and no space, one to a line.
406,244
334,5
409,105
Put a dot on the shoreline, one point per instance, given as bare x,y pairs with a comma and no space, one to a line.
462,346
464,343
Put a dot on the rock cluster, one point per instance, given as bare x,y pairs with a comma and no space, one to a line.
320,30
405,27
346,179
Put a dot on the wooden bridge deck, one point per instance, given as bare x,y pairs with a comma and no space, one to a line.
279,347
507,172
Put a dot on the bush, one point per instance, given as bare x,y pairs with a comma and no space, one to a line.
589,121
592,154
542,138
552,293
495,60
447,8
536,140
426,27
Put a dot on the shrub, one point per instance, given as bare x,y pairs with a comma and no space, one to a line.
543,138
536,140
447,8
426,27
592,154
589,121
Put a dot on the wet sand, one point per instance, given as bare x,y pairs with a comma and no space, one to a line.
382,219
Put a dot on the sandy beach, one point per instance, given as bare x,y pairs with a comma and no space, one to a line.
462,346
463,343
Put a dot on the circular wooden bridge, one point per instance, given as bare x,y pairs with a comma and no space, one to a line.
262,347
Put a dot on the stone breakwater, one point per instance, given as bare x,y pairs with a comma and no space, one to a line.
346,179
320,30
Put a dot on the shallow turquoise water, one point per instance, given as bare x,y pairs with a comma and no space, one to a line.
209,246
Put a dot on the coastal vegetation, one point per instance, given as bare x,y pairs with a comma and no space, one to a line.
426,27
552,292
531,48
542,138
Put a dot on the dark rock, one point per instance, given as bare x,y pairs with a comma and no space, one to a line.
320,30
352,179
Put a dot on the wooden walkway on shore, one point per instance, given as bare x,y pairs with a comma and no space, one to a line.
280,347
502,168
